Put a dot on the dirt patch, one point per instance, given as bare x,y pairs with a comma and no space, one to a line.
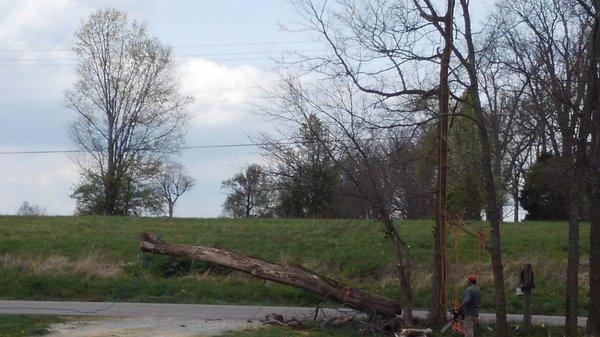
95,265
52,264
147,327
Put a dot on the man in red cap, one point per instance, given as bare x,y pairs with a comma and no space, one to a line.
471,300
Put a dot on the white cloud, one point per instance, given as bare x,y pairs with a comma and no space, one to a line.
221,92
23,20
46,180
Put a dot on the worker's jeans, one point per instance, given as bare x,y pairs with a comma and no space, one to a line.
469,324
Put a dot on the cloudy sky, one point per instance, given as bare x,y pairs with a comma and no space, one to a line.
223,51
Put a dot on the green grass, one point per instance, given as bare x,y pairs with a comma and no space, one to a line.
33,251
17,326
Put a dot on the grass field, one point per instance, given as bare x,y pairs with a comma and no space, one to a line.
97,258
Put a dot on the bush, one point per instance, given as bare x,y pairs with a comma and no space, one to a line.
545,194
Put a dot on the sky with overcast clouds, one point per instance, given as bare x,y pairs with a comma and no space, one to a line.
222,49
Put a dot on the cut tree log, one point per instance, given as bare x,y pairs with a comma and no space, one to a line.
292,275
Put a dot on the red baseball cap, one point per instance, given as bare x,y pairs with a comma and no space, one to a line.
472,278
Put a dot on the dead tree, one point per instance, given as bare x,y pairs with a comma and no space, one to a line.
173,183
292,275
369,162
377,49
437,308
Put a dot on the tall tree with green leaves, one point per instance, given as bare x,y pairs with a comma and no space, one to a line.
249,194
129,114
307,180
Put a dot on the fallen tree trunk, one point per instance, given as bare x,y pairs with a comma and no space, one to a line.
287,274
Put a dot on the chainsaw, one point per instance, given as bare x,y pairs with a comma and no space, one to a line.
456,322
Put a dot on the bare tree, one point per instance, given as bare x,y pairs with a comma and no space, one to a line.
27,209
478,81
366,157
590,126
382,48
173,183
128,106
545,46
386,50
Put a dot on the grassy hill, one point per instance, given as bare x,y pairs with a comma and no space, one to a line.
97,259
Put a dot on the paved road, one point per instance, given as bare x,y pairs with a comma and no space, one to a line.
204,312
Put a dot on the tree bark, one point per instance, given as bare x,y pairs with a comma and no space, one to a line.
248,205
171,206
516,206
577,154
110,189
493,212
593,318
286,274
573,258
515,193
404,266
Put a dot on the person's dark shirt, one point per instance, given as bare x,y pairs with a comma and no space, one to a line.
471,301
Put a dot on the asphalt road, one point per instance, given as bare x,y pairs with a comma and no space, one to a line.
206,312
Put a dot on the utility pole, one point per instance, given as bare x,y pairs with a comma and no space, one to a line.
438,307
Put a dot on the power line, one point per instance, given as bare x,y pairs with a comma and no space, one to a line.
177,61
41,152
175,56
192,92
191,147
209,45
32,102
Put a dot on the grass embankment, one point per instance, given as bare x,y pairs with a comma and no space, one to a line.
21,326
97,259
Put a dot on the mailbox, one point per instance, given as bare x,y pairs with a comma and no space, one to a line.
525,281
